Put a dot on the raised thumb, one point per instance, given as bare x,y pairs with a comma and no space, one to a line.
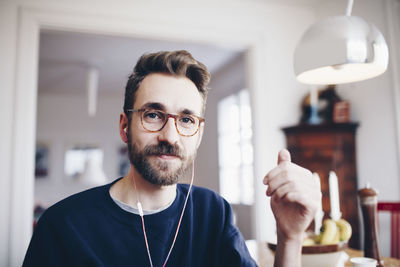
283,155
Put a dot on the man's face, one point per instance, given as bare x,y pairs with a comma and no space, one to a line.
162,157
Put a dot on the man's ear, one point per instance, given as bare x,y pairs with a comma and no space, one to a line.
123,127
201,131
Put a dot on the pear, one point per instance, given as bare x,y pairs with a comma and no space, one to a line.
329,232
344,229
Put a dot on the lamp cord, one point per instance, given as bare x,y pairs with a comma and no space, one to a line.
140,208
349,7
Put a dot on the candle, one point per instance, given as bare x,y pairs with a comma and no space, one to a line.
334,196
320,213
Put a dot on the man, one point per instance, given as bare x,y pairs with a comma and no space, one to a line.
146,218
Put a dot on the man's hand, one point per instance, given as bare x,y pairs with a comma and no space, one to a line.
295,195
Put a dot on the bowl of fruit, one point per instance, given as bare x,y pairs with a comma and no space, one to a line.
326,248
332,237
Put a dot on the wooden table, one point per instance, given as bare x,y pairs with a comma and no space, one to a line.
265,256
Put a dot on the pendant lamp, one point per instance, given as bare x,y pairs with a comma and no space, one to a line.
340,49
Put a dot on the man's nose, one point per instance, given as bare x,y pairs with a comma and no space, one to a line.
169,132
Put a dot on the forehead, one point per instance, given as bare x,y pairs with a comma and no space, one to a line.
176,93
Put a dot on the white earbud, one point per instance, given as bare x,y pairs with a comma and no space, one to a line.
125,133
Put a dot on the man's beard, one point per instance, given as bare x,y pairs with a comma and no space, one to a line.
159,174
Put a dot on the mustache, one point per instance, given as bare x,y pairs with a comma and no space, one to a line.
163,148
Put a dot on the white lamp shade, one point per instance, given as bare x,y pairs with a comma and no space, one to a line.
340,49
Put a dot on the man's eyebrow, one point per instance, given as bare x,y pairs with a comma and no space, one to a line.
187,112
154,105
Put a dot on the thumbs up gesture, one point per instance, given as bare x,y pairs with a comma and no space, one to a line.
295,196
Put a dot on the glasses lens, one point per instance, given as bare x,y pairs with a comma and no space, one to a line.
153,120
187,124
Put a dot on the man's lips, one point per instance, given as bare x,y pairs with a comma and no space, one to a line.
167,156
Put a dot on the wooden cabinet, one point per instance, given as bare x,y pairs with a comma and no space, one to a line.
326,147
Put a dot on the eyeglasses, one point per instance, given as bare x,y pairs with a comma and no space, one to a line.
154,120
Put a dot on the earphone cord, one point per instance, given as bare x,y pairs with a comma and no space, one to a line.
139,205
140,208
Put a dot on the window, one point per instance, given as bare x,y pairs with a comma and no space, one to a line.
235,149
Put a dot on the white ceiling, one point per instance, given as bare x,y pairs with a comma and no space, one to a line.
65,58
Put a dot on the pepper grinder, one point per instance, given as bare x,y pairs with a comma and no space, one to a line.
369,202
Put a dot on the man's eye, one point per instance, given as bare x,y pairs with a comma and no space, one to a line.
187,120
152,115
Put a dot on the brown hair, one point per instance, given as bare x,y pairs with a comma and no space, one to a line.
176,63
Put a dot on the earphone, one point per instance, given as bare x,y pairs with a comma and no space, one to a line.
124,135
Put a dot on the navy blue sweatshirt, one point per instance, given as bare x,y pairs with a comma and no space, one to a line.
90,229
